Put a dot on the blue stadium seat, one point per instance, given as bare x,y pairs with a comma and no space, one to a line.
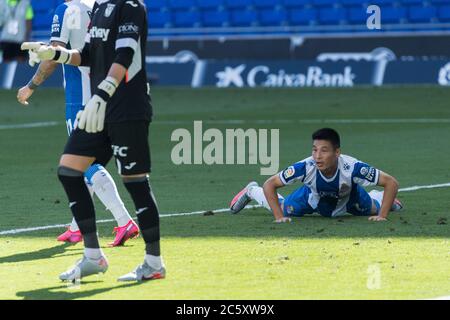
412,2
329,16
155,5
393,15
272,17
235,4
266,3
42,21
380,2
209,4
441,2
186,19
159,19
44,6
444,13
358,15
321,3
353,3
422,14
244,18
215,18
182,4
302,16
295,3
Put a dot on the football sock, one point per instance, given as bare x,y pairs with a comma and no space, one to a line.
93,253
106,190
80,201
257,194
146,211
73,226
377,196
154,261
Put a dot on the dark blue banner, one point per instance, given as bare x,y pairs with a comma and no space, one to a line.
186,70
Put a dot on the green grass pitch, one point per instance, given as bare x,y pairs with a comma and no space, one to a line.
246,256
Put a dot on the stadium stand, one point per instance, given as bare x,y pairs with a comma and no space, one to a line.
321,16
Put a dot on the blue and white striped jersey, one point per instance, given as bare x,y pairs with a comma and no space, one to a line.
70,26
331,195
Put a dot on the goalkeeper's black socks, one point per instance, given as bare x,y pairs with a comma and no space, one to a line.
146,211
81,204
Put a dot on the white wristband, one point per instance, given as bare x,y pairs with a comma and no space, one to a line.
109,85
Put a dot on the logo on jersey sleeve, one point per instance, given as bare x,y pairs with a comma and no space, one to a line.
55,24
288,173
369,173
129,28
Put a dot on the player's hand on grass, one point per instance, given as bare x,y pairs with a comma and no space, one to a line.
24,94
377,218
92,118
283,220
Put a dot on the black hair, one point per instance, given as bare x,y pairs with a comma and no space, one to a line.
328,134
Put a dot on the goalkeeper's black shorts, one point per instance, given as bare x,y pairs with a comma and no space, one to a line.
126,141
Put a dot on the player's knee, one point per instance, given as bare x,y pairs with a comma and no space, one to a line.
135,178
64,171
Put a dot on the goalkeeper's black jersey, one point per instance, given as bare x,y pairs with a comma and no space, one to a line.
119,24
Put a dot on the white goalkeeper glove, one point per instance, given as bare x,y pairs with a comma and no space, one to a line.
92,118
40,51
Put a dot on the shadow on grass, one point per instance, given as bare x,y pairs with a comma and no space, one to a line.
45,253
74,291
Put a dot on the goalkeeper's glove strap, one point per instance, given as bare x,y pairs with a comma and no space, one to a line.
62,56
106,88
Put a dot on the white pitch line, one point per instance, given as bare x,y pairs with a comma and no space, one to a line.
23,230
433,186
29,125
256,121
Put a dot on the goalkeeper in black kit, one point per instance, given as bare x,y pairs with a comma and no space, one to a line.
114,122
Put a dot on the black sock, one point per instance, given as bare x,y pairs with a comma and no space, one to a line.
80,203
147,213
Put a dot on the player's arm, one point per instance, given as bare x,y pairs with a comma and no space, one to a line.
45,70
390,185
270,192
130,23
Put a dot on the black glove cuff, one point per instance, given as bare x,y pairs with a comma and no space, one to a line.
103,94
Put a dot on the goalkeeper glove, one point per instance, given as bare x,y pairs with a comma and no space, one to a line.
92,118
39,51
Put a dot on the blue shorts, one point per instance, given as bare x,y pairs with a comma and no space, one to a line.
296,204
71,115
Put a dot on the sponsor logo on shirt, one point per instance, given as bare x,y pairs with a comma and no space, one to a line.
129,28
99,33
328,194
289,172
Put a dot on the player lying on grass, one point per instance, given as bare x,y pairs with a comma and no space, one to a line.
332,186
98,179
